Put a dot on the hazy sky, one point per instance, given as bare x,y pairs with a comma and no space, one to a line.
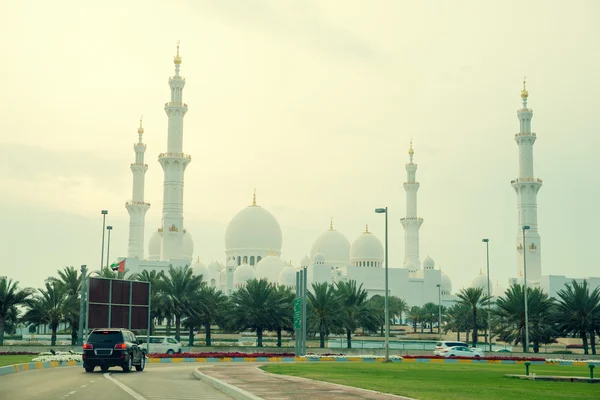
314,104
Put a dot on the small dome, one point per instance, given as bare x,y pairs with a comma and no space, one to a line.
446,283
497,291
231,264
428,263
154,246
242,274
269,268
306,261
287,277
253,229
214,268
200,269
319,258
335,246
480,281
367,247
187,245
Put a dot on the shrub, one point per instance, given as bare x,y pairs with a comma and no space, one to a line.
219,355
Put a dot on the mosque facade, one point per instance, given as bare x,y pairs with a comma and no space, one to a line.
253,238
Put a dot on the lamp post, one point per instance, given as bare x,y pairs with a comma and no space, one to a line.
82,304
489,318
104,212
439,286
387,304
525,227
109,229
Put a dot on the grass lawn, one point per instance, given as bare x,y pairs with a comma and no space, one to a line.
9,360
447,381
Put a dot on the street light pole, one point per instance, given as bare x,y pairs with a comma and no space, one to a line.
104,212
525,227
82,305
109,229
387,301
489,318
439,286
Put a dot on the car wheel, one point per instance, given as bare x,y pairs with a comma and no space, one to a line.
89,369
127,367
452,355
477,356
170,352
140,367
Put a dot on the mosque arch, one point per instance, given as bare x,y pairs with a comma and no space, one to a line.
251,260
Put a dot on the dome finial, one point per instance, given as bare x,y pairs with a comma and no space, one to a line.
367,229
177,58
198,259
141,129
524,93
271,252
480,271
330,223
254,198
411,152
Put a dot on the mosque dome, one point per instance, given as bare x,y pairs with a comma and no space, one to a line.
242,274
428,263
223,279
305,262
214,268
231,264
334,246
287,277
187,245
254,229
154,245
200,269
319,258
269,268
497,291
446,283
366,248
480,281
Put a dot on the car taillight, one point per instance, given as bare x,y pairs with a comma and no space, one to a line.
87,346
445,351
121,346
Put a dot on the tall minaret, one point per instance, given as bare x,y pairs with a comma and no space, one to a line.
174,162
527,187
137,207
411,222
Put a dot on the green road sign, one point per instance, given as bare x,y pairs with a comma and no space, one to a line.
298,313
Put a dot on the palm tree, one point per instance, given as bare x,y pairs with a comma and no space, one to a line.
180,287
251,306
354,312
577,312
153,277
415,317
509,315
10,298
47,306
476,300
459,319
324,308
281,304
430,314
397,306
211,304
70,282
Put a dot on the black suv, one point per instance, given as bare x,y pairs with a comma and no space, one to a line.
113,347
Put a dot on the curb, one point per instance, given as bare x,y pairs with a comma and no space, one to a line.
11,369
229,390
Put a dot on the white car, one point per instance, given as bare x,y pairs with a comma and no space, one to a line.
445,344
461,351
161,344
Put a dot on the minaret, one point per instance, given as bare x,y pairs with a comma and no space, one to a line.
137,207
527,186
411,222
174,162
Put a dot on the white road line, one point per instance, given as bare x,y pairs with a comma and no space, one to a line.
133,394
83,386
71,392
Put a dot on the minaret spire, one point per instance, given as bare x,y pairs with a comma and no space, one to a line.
137,207
527,187
174,162
411,222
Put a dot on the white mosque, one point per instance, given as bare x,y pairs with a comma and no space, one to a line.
254,238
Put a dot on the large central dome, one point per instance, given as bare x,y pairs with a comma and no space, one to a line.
251,235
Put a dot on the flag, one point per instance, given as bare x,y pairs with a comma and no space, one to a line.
119,267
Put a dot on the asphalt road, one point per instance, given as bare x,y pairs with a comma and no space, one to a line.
159,381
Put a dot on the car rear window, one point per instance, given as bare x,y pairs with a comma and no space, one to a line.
105,337
452,344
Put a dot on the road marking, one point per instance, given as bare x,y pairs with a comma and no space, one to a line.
83,386
71,392
130,391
